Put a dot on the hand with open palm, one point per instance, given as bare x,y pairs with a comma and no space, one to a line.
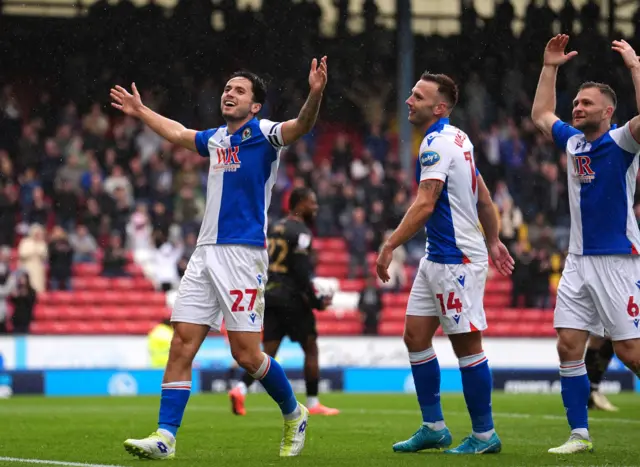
318,75
554,52
130,104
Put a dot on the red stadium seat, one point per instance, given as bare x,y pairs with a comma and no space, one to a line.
394,328
339,328
352,285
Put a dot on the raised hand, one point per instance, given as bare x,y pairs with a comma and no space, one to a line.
318,75
128,103
554,52
628,54
501,258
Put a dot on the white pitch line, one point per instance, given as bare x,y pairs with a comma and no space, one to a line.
47,462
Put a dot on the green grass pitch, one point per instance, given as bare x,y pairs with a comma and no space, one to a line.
91,430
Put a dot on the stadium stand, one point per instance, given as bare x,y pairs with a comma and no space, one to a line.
67,159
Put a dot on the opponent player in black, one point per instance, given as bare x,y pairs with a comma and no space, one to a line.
597,359
290,297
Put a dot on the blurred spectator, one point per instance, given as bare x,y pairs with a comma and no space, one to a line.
38,211
60,260
72,172
7,284
540,275
190,240
139,235
66,207
166,257
23,299
358,236
83,244
33,254
9,210
522,287
370,305
115,258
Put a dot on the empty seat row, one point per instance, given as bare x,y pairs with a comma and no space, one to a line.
103,297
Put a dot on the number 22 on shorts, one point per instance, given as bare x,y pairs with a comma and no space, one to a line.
239,295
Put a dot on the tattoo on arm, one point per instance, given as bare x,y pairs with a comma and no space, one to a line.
309,111
432,188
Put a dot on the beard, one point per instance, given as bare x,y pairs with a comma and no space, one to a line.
587,126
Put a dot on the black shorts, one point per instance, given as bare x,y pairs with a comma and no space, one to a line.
290,317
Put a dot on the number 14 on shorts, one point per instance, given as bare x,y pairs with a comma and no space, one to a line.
453,303
239,296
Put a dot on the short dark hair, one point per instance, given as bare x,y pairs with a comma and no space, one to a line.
603,88
258,85
298,195
446,86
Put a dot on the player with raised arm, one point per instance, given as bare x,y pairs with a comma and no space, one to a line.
449,286
227,273
599,290
290,298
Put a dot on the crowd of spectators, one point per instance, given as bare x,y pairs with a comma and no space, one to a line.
81,183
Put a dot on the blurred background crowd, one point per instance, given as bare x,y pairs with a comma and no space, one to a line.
81,183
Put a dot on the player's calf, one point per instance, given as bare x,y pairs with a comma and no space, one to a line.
629,352
477,386
426,375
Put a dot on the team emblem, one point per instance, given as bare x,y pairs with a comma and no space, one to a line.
246,134
429,158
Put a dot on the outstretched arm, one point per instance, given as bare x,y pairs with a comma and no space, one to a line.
293,130
633,63
172,131
544,103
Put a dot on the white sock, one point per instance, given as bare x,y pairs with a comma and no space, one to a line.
293,415
242,387
582,432
312,401
435,426
167,434
486,436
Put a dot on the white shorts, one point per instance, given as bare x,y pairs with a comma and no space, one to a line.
600,294
223,281
452,292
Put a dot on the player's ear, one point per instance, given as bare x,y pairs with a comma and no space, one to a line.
609,111
255,108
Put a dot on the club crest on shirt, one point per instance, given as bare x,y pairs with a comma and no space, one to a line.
246,134
429,158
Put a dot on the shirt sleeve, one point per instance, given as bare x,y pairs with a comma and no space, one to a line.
435,160
561,133
202,142
624,139
273,132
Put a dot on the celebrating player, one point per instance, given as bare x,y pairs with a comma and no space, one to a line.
599,288
596,360
290,298
449,286
226,274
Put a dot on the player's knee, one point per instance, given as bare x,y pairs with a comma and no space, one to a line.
416,341
248,359
569,349
183,346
